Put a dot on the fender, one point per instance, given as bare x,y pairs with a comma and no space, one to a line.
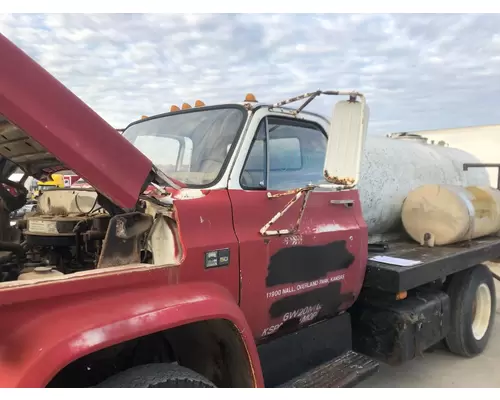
39,338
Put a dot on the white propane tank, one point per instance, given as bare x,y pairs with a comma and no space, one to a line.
445,214
393,167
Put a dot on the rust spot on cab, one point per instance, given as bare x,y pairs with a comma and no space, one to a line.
336,180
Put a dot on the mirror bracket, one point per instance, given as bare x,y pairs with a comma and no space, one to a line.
346,136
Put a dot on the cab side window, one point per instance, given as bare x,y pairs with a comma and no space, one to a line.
285,154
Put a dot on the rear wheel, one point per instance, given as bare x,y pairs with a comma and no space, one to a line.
473,304
157,376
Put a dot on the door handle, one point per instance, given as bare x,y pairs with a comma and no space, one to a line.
345,203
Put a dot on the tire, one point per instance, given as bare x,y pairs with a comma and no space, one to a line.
157,376
472,308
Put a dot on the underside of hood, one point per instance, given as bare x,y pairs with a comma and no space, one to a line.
45,128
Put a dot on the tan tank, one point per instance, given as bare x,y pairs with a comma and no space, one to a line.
38,273
445,214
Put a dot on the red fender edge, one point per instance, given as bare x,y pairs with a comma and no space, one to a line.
35,349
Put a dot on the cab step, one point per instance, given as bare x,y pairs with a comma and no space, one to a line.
345,371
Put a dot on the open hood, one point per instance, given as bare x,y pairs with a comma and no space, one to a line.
45,128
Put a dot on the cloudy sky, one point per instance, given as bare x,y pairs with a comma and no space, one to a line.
418,71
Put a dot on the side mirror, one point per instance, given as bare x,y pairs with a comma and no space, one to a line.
346,139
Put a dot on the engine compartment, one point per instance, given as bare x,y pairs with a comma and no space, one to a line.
69,231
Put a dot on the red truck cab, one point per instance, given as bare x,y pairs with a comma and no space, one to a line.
211,240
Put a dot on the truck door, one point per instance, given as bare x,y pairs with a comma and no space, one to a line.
295,278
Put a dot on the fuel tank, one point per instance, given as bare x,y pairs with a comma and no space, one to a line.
394,166
446,214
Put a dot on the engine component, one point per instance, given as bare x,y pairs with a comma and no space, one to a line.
39,273
446,214
63,235
47,230
68,201
70,243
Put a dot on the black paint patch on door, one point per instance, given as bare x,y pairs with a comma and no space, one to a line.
307,263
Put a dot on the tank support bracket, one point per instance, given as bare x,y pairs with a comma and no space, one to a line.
487,165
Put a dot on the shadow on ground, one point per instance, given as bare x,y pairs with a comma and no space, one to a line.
439,368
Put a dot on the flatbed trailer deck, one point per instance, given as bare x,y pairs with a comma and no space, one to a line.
436,263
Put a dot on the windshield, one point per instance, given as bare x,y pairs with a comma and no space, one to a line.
189,146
